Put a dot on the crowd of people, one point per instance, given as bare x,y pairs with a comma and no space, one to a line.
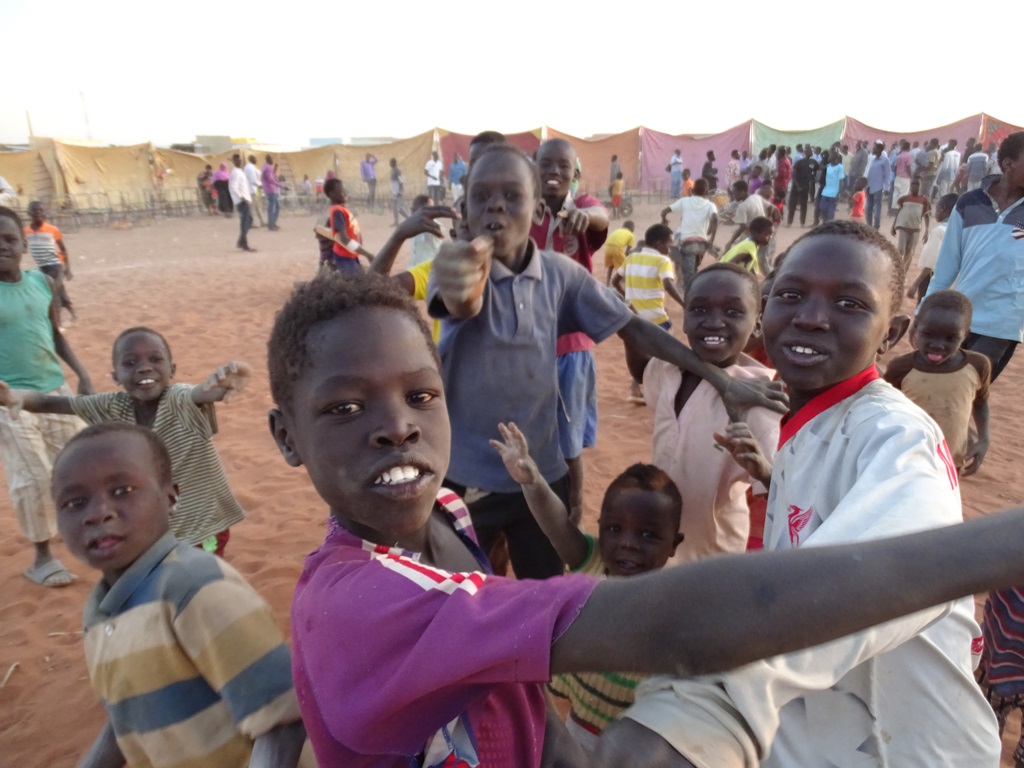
445,451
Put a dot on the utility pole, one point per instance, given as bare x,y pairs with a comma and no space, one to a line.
28,119
85,113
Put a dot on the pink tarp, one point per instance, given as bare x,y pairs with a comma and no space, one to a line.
993,130
596,156
528,141
657,149
961,131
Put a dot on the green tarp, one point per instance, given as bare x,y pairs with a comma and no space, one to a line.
825,136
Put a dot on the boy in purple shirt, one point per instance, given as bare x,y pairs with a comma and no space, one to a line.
407,652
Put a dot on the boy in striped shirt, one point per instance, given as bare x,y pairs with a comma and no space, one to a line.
644,279
46,244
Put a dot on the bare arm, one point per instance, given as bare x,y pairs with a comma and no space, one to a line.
664,214
67,258
912,290
223,384
737,394
619,284
32,401
104,752
279,747
671,290
712,231
423,220
735,236
460,271
976,451
771,603
547,509
63,349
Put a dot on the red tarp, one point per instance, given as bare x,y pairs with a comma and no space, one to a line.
961,131
658,147
528,141
993,130
596,157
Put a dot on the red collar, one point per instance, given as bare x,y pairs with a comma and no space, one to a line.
794,422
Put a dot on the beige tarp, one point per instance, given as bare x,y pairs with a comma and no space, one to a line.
92,170
179,169
412,154
27,172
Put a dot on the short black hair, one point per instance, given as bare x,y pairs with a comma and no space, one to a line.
488,137
647,477
161,458
1011,147
419,201
951,300
325,298
628,224
330,185
11,214
658,233
131,332
511,151
948,200
735,269
872,237
700,187
760,224
741,185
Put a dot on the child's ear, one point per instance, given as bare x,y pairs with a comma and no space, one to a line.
280,430
173,494
897,327
113,375
677,541
539,211
174,368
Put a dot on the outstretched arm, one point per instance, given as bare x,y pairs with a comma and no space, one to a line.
224,384
460,273
423,220
549,512
279,747
32,401
104,752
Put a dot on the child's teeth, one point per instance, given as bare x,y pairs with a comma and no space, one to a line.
397,475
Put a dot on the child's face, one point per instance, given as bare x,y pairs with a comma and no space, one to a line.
111,505
761,238
637,531
368,420
143,366
721,313
829,314
37,213
915,188
942,212
12,246
337,195
500,204
937,335
556,162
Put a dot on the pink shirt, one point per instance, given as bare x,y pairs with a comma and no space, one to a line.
716,517
904,165
392,657
548,235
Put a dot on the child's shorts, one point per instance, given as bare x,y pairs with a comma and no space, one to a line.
614,257
616,201
577,395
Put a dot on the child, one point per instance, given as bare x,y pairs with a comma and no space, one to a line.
182,652
687,183
466,654
342,230
638,532
722,309
504,302
756,182
858,199
181,414
857,461
930,251
617,248
617,187
425,245
746,253
31,348
949,383
46,244
643,280
913,208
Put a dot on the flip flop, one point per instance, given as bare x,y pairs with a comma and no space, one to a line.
46,571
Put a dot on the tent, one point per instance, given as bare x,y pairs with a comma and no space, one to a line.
27,171
961,130
656,150
595,157
825,136
452,143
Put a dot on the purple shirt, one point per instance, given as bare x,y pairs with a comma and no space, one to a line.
269,180
392,657
367,170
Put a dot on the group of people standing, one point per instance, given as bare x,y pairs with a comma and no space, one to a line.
238,189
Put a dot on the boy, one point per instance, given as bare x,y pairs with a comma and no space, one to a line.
342,230
747,252
504,302
397,190
617,248
617,187
643,280
858,199
31,348
46,244
638,533
687,183
425,245
467,653
698,224
949,383
930,251
243,197
857,461
182,652
914,209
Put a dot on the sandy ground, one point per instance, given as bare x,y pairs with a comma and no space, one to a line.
214,304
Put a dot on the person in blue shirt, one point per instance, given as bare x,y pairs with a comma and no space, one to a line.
833,174
981,254
879,175
456,172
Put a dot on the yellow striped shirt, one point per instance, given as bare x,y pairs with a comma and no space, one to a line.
644,273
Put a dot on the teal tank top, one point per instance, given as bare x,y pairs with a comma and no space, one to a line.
28,359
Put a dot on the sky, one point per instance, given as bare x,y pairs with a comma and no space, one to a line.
165,72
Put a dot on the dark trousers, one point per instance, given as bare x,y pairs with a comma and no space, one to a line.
531,553
797,198
244,223
371,191
999,351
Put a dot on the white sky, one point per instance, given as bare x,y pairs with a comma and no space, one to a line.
164,72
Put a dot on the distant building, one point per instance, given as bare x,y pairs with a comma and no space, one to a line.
214,145
325,142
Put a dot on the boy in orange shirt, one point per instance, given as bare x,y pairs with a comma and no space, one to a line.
46,244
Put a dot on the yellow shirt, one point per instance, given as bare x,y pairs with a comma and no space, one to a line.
617,186
644,274
746,248
619,240
420,275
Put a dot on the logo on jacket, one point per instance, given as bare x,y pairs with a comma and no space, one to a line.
1018,233
798,519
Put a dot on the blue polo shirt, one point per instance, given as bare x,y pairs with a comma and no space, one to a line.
879,173
983,254
501,365
456,171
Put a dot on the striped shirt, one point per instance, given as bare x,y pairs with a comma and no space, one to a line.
597,699
42,244
187,660
644,273
206,505
1003,654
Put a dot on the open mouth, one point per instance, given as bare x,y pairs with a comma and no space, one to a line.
936,357
494,227
802,354
104,545
145,382
398,475
629,566
714,341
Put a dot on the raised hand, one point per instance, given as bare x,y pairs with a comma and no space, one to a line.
515,452
739,441
574,222
232,378
461,271
741,394
424,220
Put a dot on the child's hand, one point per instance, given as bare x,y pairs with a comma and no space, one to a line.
741,394
574,221
975,455
462,270
232,378
516,454
11,399
423,221
739,441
